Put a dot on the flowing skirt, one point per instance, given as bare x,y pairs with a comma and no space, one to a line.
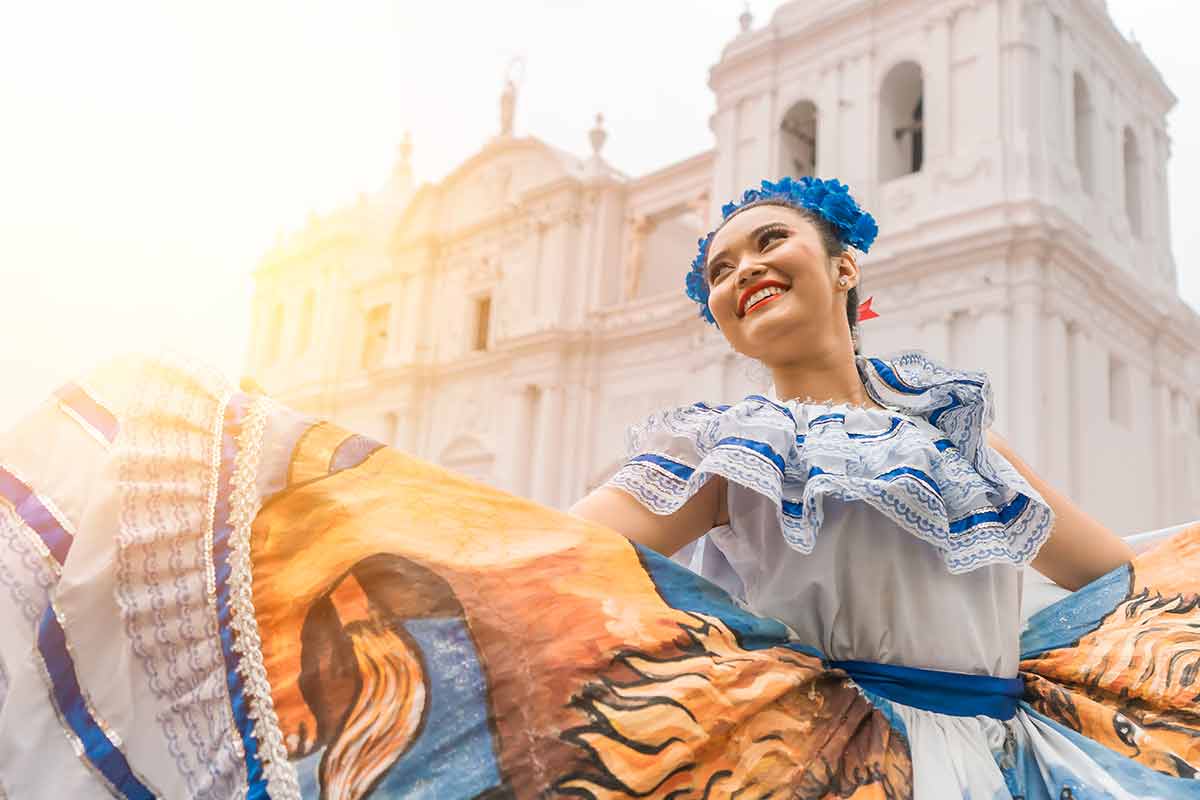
204,594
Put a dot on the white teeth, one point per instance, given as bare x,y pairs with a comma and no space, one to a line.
762,294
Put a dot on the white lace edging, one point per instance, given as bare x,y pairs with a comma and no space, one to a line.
244,503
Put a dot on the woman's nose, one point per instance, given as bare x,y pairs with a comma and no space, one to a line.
749,272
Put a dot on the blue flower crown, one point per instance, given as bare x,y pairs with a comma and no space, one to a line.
829,200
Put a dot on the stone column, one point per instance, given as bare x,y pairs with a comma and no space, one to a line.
587,394
1082,405
724,126
828,145
991,351
938,144
1057,411
548,447
709,374
935,336
398,326
1028,391
572,445
513,458
1162,423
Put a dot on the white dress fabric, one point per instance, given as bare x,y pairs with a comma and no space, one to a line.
890,535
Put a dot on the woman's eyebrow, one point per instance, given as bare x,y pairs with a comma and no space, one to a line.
754,234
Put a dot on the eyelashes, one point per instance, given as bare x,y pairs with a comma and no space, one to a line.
770,234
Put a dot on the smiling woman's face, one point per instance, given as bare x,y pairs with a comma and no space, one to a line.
773,285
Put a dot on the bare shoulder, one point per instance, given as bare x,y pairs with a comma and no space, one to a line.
1080,548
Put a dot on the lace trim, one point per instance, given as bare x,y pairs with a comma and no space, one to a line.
162,480
244,503
949,492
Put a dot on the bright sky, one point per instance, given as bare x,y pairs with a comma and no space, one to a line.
150,151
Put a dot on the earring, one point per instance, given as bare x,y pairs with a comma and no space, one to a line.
843,281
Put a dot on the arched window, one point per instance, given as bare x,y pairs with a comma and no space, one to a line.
273,338
798,140
901,121
1083,132
1133,182
304,331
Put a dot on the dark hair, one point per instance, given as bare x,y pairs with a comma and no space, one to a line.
834,248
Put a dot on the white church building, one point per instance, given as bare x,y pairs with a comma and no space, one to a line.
511,320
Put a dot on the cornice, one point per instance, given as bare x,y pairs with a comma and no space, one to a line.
1129,54
700,163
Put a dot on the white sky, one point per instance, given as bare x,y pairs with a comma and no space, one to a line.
150,151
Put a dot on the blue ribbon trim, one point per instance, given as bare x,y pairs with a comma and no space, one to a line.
892,378
762,448
109,761
912,472
256,782
895,424
681,471
36,515
954,693
99,418
1003,516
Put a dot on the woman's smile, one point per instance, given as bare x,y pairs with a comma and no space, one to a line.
760,294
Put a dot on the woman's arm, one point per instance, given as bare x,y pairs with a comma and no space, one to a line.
1079,549
665,534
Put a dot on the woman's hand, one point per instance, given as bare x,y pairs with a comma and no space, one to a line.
665,534
1079,549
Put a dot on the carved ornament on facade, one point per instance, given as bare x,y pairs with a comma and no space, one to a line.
899,199
956,173
639,227
661,311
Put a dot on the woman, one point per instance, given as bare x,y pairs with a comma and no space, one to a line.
862,509
204,594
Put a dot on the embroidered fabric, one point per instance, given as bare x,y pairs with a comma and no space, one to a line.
924,463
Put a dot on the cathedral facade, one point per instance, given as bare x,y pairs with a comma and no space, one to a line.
513,319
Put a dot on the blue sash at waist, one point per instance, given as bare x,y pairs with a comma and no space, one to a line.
955,693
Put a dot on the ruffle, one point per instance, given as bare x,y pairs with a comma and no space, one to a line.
186,463
923,463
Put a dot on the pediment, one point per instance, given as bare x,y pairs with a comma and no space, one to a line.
492,180
500,175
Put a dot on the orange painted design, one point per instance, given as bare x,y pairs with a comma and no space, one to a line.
1132,683
350,601
569,629
314,451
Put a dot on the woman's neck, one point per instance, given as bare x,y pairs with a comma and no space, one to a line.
833,380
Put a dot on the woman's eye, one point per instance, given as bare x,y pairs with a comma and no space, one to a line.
766,237
718,271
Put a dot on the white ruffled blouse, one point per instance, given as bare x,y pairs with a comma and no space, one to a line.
894,536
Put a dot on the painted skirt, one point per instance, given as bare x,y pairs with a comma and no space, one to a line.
206,595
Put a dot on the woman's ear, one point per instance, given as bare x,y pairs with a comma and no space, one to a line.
846,267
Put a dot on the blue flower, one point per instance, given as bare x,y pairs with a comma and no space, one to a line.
840,209
863,234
